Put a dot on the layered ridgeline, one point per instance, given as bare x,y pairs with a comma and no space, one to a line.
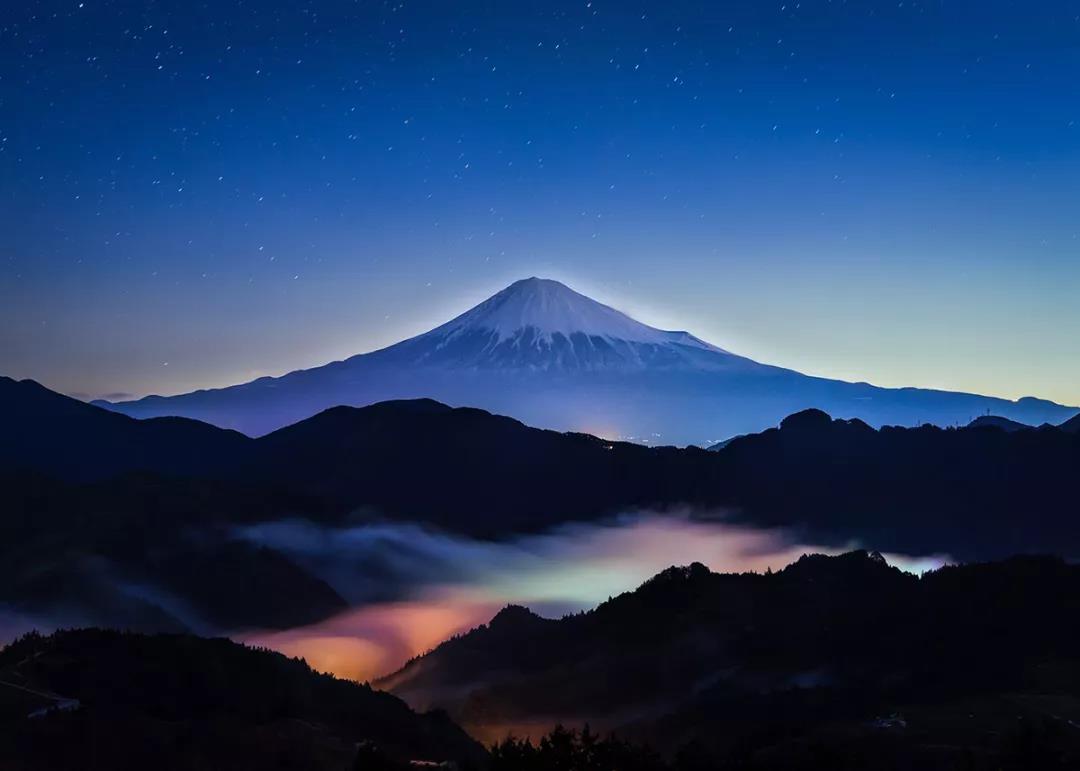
133,523
549,356
833,662
962,491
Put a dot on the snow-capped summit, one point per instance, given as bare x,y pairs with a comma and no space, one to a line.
550,308
541,324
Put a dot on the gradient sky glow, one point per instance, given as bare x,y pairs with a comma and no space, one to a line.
195,194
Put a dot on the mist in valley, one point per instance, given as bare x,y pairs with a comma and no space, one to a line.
412,587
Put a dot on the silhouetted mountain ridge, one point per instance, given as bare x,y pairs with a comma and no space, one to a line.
175,701
908,490
996,421
729,661
167,524
50,432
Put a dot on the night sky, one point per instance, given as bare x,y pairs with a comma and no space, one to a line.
195,194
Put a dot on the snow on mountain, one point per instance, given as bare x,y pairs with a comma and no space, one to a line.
541,324
550,309
553,358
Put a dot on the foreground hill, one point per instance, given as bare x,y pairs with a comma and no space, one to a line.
835,655
89,699
549,356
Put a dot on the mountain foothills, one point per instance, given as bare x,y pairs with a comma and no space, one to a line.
111,700
551,357
490,475
103,527
833,662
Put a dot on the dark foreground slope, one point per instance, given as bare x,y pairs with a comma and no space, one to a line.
93,699
841,653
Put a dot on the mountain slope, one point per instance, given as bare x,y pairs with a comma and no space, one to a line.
541,324
45,430
917,491
117,521
738,663
995,421
150,553
131,701
467,470
549,356
157,551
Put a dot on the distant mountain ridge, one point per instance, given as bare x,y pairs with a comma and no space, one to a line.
549,356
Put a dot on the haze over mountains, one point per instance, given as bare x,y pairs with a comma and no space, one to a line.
553,358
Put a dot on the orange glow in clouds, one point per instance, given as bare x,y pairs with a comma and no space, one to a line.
454,584
366,642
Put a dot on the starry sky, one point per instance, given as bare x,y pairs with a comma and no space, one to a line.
196,194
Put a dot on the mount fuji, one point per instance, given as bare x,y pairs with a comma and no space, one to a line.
554,358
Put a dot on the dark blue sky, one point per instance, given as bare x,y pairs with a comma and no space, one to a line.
196,194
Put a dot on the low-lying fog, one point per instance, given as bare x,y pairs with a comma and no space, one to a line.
411,588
